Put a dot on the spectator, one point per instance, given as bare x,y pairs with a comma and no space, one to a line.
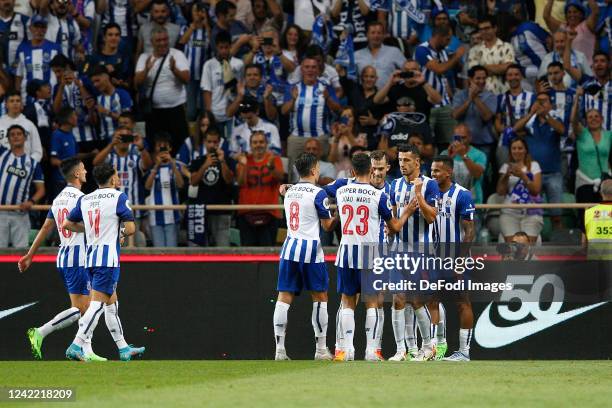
14,116
353,15
213,176
593,145
219,79
241,136
111,102
63,30
122,14
574,62
259,174
239,36
160,18
512,105
253,88
361,97
560,97
600,95
409,83
581,30
530,43
520,182
401,24
63,146
163,182
195,38
328,170
476,108
305,11
310,103
72,92
384,58
194,145
267,54
493,54
116,60
326,74
38,111
521,249
127,153
344,136
30,61
13,31
267,14
293,43
467,20
84,13
170,93
469,163
544,132
19,174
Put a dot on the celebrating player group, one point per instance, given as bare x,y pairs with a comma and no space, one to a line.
415,214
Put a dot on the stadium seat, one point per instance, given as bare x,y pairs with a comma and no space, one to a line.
234,237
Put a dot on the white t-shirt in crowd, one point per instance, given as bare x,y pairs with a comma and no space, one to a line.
212,81
33,147
169,92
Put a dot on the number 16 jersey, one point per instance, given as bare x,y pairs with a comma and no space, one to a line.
72,244
102,212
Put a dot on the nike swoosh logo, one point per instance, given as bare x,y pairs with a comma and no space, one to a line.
489,335
8,312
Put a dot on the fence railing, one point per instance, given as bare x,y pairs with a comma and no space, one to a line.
259,207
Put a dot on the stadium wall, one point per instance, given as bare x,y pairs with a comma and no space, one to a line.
220,307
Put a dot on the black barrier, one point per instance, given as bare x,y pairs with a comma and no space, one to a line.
221,310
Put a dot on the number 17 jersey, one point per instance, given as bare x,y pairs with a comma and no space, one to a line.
362,207
305,204
72,244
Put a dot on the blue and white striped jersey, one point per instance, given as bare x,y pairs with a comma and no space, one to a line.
398,20
305,204
187,152
519,106
72,244
197,51
562,105
164,192
17,173
65,33
129,170
416,231
119,102
310,116
84,131
102,212
529,42
13,31
33,63
361,208
122,13
241,136
454,206
425,53
602,101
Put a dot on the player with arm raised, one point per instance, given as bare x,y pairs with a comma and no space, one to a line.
456,229
416,195
361,207
100,215
70,259
302,263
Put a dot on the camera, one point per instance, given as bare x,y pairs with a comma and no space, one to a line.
127,138
592,89
268,41
406,75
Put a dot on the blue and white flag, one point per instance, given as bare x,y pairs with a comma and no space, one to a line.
413,12
345,57
323,32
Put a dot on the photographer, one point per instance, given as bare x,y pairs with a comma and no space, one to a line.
213,175
163,182
517,249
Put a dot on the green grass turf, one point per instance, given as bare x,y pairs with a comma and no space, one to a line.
311,384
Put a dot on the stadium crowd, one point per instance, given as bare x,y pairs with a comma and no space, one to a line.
211,102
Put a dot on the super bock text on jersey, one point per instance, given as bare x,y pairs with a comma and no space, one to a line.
302,265
102,213
70,260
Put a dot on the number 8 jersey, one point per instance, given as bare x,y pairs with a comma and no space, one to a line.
361,207
102,212
305,204
72,244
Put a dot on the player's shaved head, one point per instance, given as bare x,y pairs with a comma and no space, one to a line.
361,164
305,163
103,173
68,168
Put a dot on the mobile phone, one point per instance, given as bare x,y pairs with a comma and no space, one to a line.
129,138
268,41
456,138
406,74
163,149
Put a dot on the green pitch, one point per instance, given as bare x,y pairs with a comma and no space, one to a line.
311,384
